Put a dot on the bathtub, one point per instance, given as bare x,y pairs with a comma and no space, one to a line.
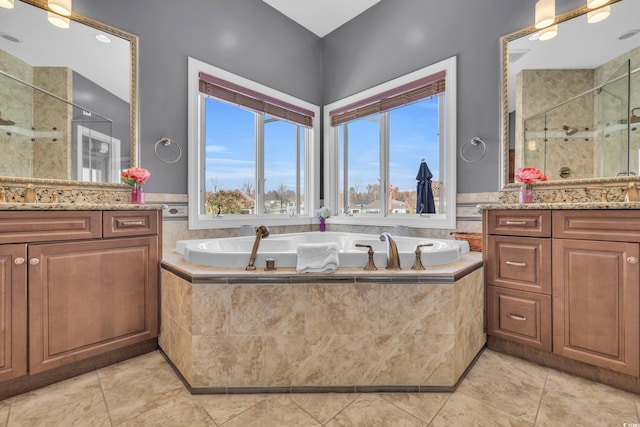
234,252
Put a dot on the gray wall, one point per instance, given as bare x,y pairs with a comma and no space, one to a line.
246,37
251,39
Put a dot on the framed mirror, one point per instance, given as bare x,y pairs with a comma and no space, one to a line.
571,104
68,97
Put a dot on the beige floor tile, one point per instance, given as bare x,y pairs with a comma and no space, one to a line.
462,410
4,413
139,385
421,405
506,383
372,410
276,410
568,400
58,394
222,408
323,406
179,412
88,411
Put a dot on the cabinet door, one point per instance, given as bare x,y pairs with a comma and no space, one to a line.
596,303
13,311
87,298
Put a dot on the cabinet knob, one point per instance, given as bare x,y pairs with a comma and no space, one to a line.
34,261
632,260
18,261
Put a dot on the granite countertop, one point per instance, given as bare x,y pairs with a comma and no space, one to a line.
560,206
79,207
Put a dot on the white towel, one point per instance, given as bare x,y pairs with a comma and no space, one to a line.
317,257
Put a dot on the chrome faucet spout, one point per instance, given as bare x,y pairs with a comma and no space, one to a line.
261,232
393,257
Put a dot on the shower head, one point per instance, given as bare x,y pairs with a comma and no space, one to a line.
6,122
569,131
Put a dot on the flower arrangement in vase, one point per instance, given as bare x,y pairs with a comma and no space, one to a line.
527,176
322,214
135,177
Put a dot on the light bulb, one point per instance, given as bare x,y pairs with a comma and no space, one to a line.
57,20
7,4
545,13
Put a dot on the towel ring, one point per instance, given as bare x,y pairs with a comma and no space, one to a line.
474,142
165,142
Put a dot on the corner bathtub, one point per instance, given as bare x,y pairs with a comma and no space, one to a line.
233,252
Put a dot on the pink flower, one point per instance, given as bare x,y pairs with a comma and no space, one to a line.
135,176
529,175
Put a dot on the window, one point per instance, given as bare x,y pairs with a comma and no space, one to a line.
250,152
377,143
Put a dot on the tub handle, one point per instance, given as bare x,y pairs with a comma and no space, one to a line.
417,265
516,317
370,264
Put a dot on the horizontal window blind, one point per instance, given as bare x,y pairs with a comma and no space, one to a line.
388,100
256,101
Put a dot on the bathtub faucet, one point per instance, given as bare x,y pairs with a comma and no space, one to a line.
261,232
393,257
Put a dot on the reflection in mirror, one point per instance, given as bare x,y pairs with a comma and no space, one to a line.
67,99
568,102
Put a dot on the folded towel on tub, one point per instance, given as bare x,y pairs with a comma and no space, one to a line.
317,257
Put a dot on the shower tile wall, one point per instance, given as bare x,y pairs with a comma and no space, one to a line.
537,90
32,110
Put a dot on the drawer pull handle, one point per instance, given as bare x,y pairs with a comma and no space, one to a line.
516,222
516,264
516,317
34,261
632,260
124,223
18,261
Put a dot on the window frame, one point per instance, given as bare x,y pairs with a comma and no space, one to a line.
448,155
196,184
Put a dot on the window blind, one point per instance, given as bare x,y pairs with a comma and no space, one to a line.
388,100
256,101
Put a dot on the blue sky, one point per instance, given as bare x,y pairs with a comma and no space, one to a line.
230,147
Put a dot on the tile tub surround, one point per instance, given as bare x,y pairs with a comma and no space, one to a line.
230,331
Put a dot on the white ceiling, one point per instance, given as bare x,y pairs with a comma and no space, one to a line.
321,16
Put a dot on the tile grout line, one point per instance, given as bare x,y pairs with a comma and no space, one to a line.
104,398
440,409
357,396
544,389
414,415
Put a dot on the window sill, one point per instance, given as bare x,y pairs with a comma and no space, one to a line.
413,221
205,222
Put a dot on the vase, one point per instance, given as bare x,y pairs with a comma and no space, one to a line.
322,226
137,195
525,195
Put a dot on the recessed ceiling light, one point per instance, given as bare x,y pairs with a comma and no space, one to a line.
102,38
533,37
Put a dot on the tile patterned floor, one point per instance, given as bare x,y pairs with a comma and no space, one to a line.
499,391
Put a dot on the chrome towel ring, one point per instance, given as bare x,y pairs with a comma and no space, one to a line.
473,142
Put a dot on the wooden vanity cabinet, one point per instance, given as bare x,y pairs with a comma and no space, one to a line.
518,276
85,296
596,296
13,311
577,292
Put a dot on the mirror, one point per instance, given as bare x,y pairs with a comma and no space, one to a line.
567,99
68,101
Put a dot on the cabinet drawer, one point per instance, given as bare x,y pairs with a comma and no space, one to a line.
130,223
523,317
531,223
611,225
522,263
49,226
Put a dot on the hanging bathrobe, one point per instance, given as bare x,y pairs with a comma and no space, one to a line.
425,203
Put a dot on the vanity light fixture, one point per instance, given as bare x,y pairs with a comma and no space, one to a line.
7,4
61,7
545,13
594,4
57,20
548,33
598,14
